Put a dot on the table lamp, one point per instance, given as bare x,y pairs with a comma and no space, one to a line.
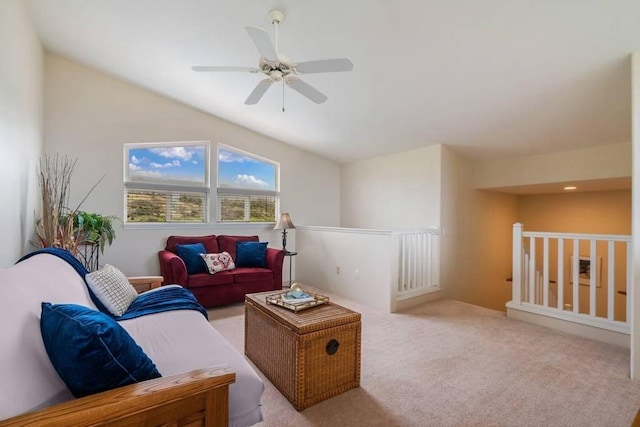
283,224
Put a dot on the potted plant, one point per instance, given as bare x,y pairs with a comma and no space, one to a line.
62,227
94,229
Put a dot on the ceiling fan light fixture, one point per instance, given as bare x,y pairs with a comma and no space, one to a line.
276,16
278,67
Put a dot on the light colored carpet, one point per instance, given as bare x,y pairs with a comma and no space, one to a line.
448,363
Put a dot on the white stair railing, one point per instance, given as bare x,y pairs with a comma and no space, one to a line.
418,262
590,294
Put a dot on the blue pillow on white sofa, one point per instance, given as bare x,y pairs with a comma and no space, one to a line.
90,351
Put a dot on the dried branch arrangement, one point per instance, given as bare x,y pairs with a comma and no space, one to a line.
57,226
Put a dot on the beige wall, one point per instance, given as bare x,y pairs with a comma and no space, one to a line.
600,212
476,240
397,191
603,162
90,115
20,128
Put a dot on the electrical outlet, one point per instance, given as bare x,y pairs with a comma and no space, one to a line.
337,270
356,274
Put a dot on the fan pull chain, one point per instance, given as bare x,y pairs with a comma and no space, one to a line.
283,95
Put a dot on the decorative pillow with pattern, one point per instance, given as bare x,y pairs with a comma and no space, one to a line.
112,288
218,262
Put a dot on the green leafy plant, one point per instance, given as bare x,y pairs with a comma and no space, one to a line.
94,229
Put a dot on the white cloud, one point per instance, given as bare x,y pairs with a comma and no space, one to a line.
135,160
150,174
175,163
228,157
134,167
182,153
249,181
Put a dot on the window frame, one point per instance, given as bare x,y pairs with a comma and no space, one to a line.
204,189
246,191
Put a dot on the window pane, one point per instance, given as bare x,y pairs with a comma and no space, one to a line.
262,208
246,208
165,206
179,165
237,170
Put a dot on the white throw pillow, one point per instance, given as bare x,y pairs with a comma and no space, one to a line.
112,288
218,262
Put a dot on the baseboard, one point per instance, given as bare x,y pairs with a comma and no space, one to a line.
585,331
420,299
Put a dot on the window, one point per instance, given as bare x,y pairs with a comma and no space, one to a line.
166,182
247,187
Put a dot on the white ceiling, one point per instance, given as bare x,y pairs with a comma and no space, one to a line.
492,78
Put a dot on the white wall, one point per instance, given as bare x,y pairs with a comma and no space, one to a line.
90,115
21,71
321,251
397,191
607,161
635,217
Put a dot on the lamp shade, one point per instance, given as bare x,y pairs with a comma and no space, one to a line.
284,222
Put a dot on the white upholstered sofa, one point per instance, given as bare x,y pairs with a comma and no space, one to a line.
204,379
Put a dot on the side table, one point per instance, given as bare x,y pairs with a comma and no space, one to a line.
290,255
145,283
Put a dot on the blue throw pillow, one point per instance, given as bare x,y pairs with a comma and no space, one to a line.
90,351
190,254
251,254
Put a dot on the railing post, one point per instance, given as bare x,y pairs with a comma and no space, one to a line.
516,274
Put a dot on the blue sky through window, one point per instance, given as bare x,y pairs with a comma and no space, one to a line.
181,165
237,170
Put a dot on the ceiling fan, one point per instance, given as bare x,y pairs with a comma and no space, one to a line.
278,67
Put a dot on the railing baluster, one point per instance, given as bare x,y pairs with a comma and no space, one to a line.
611,256
532,270
518,284
545,272
575,270
593,275
560,278
525,278
628,288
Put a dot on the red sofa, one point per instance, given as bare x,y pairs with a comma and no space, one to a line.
224,287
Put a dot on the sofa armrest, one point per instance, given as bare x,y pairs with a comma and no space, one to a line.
274,261
172,268
200,395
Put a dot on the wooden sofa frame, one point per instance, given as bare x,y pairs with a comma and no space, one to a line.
196,398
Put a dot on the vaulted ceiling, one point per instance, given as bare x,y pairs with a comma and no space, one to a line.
492,78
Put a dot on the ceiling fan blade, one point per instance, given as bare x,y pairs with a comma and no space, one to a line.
262,41
223,68
306,90
324,66
257,93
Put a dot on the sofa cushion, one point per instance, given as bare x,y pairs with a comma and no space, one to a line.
228,243
190,254
210,243
218,262
251,254
252,274
90,351
112,288
206,279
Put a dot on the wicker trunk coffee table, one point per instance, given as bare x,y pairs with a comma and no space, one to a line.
310,355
